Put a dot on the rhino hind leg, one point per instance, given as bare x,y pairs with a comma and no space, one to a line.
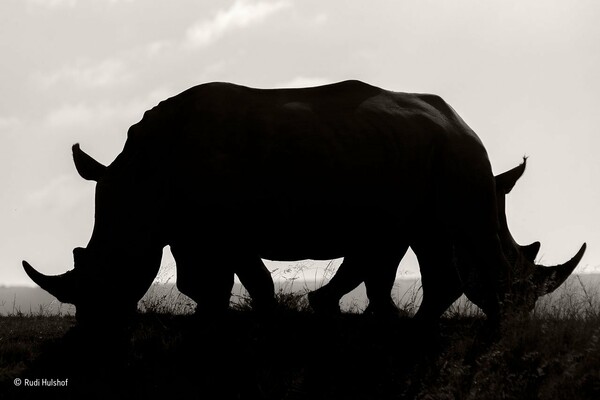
326,299
379,281
376,268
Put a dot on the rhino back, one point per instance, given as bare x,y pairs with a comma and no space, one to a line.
338,153
342,129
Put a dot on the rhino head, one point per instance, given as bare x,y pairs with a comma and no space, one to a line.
121,259
529,280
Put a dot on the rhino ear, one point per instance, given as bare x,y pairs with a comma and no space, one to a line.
530,251
506,181
87,167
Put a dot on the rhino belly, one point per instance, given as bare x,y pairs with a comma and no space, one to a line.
324,232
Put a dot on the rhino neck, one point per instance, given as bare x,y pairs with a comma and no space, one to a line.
127,268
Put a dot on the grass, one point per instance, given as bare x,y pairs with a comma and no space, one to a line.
553,353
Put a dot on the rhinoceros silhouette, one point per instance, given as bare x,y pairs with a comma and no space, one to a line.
226,175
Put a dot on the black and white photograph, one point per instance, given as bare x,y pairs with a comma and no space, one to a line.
300,199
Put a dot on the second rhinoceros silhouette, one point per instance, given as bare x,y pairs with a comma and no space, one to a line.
444,279
226,175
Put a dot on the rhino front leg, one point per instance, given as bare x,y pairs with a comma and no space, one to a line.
206,279
440,279
485,273
257,280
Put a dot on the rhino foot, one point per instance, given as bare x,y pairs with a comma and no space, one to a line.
321,303
385,309
264,306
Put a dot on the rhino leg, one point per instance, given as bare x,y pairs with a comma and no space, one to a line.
203,278
257,280
326,299
379,281
208,278
376,268
484,271
439,278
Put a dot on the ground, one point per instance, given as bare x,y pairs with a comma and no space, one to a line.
295,354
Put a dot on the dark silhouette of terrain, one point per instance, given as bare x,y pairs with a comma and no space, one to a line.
296,354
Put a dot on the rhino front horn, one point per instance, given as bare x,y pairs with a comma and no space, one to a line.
56,285
547,279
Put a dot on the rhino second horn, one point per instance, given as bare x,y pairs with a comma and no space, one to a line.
548,279
53,284
88,168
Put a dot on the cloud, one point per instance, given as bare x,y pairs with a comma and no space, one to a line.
8,124
82,115
320,19
54,3
69,3
64,192
72,115
304,81
241,14
88,75
156,48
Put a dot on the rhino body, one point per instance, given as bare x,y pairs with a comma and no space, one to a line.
227,175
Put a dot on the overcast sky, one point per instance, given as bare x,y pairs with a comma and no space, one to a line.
525,75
